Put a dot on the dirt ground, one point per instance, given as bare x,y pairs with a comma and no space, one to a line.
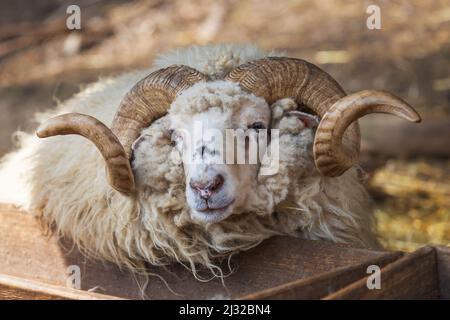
41,63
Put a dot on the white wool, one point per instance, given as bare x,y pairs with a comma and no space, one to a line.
219,94
62,180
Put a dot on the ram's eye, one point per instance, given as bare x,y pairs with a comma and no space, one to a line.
257,126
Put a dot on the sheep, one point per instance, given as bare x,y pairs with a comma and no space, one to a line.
151,206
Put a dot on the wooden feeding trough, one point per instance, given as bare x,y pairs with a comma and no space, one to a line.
35,266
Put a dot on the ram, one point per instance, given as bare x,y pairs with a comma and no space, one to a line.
152,205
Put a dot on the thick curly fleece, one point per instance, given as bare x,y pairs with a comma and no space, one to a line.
62,180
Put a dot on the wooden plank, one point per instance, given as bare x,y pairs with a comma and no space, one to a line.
412,277
320,286
27,253
13,288
443,262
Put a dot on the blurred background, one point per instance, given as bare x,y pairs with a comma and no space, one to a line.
408,165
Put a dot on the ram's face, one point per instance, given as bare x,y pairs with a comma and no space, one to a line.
221,141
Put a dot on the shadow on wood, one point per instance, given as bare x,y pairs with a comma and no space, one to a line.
34,266
303,269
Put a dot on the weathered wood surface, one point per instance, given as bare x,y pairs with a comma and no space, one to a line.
12,288
443,264
296,268
320,286
423,274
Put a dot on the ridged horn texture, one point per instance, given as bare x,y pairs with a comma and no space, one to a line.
118,168
335,148
331,156
149,100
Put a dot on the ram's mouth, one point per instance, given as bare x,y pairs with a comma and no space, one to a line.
211,215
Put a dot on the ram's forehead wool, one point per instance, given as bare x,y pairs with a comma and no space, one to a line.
62,180
223,95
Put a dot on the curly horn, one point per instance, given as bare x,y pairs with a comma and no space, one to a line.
147,101
331,156
335,148
118,168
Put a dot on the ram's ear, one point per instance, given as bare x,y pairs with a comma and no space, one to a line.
309,120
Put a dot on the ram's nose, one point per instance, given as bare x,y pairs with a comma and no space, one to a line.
205,188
